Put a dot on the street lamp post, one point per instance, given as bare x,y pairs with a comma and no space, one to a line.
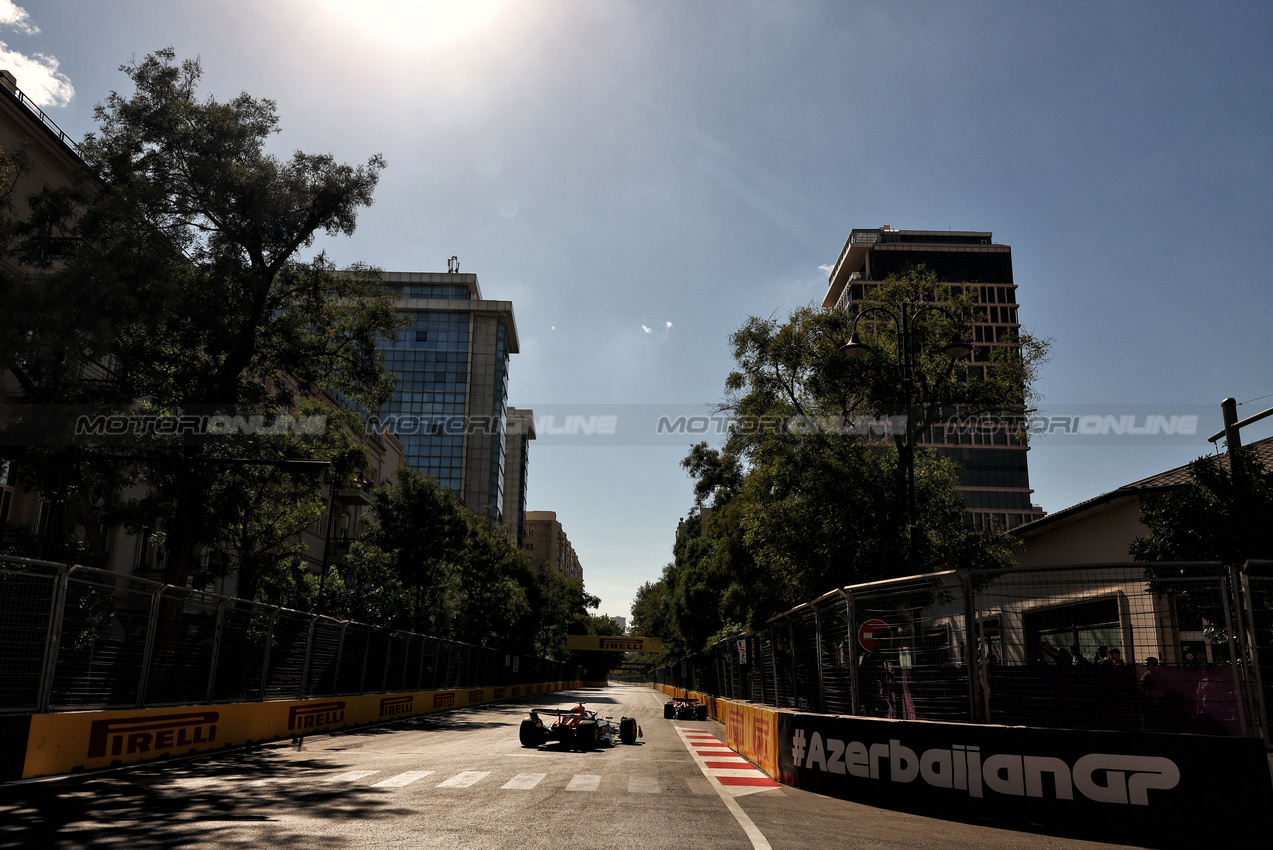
907,322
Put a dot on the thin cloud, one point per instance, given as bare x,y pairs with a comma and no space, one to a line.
38,76
668,326
647,329
827,269
12,15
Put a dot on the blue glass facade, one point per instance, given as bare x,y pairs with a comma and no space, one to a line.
432,359
450,407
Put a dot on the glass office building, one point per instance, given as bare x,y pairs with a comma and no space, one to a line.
450,409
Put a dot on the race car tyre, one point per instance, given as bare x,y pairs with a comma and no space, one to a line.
701,712
586,736
528,734
668,711
627,730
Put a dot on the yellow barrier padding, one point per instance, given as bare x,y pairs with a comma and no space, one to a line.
750,730
61,743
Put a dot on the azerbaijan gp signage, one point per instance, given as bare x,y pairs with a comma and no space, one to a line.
1103,777
1147,781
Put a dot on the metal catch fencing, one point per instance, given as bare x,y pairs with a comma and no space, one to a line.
78,638
1165,647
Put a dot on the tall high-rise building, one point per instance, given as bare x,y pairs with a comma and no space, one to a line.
521,430
547,545
450,408
995,482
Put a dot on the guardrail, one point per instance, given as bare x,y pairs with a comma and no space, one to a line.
75,637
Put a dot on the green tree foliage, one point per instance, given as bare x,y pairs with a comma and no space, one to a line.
1217,516
423,528
801,502
186,289
437,568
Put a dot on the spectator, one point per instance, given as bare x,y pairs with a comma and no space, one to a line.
1115,657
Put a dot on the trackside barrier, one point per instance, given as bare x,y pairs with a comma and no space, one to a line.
1132,784
52,744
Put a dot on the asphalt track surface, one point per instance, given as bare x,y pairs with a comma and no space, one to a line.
461,780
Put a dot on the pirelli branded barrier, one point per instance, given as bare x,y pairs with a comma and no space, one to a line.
1206,788
69,741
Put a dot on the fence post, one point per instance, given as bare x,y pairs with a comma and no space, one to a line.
53,639
384,679
773,661
971,665
817,648
340,656
795,676
309,656
855,700
148,653
1252,642
265,660
216,649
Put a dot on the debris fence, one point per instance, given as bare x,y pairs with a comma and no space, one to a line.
1163,647
78,638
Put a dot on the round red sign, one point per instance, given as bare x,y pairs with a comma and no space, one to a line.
867,634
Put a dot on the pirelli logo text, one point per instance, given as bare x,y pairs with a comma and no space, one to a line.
393,706
314,715
498,694
476,696
151,733
759,734
517,690
444,699
623,644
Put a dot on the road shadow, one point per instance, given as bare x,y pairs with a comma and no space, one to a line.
191,804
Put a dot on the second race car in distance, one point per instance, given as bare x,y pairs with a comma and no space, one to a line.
684,709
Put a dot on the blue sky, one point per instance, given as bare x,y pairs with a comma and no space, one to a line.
620,167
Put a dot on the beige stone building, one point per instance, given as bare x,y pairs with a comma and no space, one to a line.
1100,530
547,545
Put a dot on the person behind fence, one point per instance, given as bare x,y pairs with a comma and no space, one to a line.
1076,654
1115,657
1102,656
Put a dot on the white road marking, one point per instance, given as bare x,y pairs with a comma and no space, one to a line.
584,782
402,779
465,779
523,781
350,776
643,785
727,794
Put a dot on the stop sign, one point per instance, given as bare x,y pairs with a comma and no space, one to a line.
867,634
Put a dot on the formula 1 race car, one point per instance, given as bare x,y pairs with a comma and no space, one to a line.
684,709
576,728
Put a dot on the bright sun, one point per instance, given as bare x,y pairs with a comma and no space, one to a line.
416,22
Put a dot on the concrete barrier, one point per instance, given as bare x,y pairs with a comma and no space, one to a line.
51,744
1130,784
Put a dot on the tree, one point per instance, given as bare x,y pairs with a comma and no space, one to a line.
423,529
1219,515
186,289
802,500
1216,516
